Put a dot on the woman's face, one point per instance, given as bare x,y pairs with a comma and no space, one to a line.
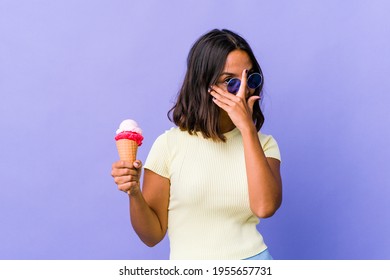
236,62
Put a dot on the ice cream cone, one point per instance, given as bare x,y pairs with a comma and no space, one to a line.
127,149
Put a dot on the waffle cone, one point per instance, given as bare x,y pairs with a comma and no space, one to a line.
127,149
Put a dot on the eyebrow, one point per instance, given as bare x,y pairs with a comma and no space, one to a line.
232,74
227,73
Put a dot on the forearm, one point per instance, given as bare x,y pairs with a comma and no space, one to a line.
265,191
144,220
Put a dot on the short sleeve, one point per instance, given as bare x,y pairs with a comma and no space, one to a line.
270,146
158,157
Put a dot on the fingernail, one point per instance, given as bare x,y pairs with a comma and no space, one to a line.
246,70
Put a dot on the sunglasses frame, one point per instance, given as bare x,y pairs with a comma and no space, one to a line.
234,87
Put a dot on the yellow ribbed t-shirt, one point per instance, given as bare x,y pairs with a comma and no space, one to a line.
209,216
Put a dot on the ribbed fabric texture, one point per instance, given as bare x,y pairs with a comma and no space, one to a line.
209,215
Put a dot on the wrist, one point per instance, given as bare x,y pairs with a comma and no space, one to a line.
134,191
248,130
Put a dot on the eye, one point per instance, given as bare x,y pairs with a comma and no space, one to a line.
227,80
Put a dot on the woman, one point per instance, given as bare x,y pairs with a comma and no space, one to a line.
211,178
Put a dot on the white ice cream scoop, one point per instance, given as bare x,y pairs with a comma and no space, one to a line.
129,125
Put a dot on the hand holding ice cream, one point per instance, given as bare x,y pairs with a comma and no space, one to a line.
127,171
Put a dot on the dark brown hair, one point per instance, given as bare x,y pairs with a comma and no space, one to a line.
194,110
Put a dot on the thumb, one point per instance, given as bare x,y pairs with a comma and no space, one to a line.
137,164
251,102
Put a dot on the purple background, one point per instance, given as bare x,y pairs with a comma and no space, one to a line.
70,71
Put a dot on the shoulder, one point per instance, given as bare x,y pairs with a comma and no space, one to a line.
265,138
161,150
269,145
169,134
170,137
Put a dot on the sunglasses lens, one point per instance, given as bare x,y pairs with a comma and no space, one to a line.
233,85
254,80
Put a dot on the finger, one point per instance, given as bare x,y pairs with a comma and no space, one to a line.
222,105
137,164
243,86
120,180
126,187
122,164
224,97
222,92
127,178
115,172
251,102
